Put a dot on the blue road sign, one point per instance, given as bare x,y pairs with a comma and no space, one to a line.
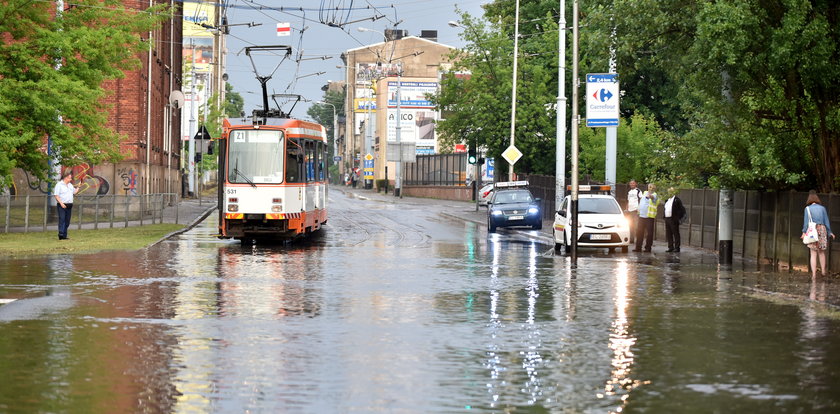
602,99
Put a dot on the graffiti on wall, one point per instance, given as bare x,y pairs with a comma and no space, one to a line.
83,178
129,180
86,181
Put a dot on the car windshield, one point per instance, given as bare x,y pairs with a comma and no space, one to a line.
598,206
507,197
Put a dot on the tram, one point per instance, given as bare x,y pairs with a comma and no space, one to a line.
272,175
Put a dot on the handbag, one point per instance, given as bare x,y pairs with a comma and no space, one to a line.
811,235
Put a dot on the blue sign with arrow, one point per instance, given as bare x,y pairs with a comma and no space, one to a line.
602,96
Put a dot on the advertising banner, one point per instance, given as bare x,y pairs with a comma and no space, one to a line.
412,94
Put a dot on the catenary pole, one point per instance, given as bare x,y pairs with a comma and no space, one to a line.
560,162
513,94
575,126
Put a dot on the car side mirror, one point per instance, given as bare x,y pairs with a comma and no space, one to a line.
561,212
538,199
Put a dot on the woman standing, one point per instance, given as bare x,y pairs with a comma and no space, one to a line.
818,214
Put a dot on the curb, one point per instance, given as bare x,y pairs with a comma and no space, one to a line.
188,227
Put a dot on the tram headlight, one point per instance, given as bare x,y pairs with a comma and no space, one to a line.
276,209
233,208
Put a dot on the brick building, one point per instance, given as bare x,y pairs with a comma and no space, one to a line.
142,114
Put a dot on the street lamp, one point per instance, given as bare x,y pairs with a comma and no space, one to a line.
335,129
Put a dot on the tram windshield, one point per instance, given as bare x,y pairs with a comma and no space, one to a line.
255,157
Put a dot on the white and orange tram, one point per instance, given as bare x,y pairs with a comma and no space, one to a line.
273,178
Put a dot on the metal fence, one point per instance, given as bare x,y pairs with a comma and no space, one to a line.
765,225
25,213
439,169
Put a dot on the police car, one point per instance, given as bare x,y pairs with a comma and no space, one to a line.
511,204
601,222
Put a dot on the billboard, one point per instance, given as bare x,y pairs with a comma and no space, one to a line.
196,14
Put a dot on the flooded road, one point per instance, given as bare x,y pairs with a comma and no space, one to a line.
395,308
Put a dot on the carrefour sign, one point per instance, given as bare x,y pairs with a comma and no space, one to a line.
602,99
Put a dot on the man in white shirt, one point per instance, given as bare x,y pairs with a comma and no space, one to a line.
674,213
63,194
633,197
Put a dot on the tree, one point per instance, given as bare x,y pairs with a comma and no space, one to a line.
52,69
323,114
752,86
642,152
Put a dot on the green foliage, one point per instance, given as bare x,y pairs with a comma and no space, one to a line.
642,153
752,85
52,70
747,90
323,113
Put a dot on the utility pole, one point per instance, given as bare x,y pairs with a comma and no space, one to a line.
513,94
398,133
191,154
575,125
560,162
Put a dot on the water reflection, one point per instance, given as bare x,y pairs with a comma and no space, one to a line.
621,341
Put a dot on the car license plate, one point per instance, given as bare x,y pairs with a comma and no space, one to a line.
516,218
600,236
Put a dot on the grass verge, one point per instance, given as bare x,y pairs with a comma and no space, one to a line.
84,241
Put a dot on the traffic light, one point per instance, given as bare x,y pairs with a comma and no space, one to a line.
471,156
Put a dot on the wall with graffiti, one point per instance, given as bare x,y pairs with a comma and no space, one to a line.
128,177
117,179
85,178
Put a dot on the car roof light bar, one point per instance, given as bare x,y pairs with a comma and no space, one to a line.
512,184
590,188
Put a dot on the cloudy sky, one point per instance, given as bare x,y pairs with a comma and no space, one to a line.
312,39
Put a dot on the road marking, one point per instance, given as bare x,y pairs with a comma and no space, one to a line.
5,301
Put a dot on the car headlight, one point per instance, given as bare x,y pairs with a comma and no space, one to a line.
623,223
533,210
496,212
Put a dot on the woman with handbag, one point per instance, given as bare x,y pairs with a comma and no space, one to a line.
815,213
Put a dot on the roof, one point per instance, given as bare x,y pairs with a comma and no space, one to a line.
403,38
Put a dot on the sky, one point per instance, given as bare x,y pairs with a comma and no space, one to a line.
317,40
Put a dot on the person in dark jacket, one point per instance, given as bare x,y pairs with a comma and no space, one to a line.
674,214
815,211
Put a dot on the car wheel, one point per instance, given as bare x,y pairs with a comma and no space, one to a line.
491,228
624,249
537,226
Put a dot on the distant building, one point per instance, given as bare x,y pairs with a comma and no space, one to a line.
204,47
370,106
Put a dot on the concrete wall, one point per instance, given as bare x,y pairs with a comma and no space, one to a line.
461,193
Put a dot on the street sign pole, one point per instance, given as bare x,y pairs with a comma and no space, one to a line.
575,127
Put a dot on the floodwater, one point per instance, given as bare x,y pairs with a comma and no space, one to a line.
397,309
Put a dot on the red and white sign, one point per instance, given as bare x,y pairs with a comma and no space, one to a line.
460,148
284,29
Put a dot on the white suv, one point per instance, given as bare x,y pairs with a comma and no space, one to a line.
601,223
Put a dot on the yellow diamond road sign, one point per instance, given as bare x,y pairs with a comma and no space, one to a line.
368,157
512,155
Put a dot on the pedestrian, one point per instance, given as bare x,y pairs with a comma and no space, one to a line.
632,212
346,179
63,194
814,211
354,177
647,214
674,215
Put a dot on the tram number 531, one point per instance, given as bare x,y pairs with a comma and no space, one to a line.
231,191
